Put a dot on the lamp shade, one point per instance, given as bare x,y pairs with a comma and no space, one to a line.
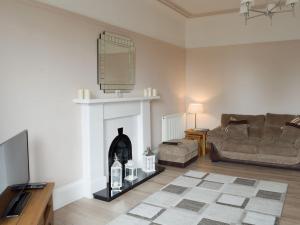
195,108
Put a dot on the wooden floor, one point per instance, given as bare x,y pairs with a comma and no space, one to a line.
92,212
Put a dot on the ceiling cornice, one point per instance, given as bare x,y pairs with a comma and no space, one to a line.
176,8
187,14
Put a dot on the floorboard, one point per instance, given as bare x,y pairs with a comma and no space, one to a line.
95,212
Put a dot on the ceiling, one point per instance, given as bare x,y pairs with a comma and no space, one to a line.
200,8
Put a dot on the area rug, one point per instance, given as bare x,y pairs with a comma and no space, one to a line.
200,198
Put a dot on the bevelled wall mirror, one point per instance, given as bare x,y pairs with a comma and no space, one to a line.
116,63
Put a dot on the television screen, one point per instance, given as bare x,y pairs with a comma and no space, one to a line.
14,167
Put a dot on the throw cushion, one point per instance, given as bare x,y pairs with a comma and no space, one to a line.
296,120
290,134
253,120
234,120
278,120
237,122
238,131
296,125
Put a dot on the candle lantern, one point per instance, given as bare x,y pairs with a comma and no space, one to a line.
116,174
149,161
130,171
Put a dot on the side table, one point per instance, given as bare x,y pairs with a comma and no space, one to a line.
200,136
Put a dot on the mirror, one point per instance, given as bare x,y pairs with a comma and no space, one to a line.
116,63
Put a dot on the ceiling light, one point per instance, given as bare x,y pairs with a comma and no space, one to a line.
291,2
247,2
271,9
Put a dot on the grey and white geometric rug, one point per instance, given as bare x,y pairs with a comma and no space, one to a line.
199,198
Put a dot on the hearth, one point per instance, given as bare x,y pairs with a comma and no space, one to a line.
108,195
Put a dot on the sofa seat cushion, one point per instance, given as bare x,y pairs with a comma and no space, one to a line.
183,152
249,145
279,148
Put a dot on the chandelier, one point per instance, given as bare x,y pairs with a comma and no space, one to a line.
272,8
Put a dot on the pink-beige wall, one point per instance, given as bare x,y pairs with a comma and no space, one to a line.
248,79
46,54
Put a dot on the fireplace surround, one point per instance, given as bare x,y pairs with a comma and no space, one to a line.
100,119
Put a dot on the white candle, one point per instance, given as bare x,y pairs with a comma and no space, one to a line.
145,92
87,94
149,92
80,94
154,92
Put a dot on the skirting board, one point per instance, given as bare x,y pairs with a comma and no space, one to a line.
67,194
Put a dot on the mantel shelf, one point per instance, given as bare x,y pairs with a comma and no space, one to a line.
111,100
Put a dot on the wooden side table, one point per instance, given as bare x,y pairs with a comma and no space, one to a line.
200,136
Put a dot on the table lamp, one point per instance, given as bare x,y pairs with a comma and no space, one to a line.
195,108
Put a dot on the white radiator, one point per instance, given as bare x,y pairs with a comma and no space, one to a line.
173,126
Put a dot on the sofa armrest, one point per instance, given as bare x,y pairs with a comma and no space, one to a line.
216,133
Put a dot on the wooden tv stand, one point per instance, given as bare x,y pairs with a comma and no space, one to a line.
38,210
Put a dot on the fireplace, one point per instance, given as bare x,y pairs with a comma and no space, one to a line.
100,120
122,148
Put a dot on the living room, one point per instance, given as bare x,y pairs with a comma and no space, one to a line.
230,58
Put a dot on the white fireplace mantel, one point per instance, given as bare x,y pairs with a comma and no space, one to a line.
100,119
111,100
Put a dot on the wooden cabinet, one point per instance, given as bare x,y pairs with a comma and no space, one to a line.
38,211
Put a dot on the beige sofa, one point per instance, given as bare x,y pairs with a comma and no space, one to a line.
268,141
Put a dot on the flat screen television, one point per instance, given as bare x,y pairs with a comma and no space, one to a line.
14,174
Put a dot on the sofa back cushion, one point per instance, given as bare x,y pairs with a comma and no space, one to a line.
237,131
278,120
273,126
256,123
290,134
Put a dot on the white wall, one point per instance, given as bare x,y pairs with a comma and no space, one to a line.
246,79
233,68
147,17
3,172
230,29
46,54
